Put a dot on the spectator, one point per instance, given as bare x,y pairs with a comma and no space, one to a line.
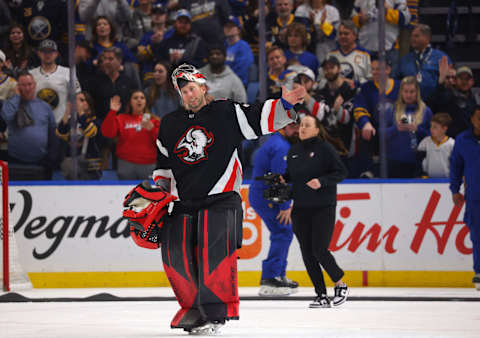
365,112
8,87
105,36
161,96
407,123
208,16
278,20
110,80
464,167
118,12
459,101
297,40
183,46
139,24
52,80
32,144
136,132
333,106
354,60
18,52
437,147
222,83
365,16
88,160
422,62
154,36
42,19
325,19
271,157
278,74
8,84
239,54
85,70
5,20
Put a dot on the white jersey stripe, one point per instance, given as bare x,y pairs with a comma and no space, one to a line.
245,127
266,111
162,149
219,187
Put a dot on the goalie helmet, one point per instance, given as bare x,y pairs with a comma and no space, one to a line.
188,73
145,208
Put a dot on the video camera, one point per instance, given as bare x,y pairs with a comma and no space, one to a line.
277,191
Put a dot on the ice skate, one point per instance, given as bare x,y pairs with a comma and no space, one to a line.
341,294
274,287
321,301
291,284
207,329
476,281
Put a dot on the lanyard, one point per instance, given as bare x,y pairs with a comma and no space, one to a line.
422,57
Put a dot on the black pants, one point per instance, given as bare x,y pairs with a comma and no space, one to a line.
314,228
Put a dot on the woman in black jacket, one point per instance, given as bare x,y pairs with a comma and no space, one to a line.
314,168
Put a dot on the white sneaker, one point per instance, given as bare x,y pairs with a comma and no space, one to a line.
207,329
321,301
341,294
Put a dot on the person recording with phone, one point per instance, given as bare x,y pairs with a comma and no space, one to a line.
313,169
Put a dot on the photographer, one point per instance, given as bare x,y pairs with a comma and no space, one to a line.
314,168
271,158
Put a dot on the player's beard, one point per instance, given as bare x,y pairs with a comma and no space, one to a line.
196,105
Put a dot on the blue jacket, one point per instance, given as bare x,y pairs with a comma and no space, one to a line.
465,161
398,142
240,58
428,69
270,157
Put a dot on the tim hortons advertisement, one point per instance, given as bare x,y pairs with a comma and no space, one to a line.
411,226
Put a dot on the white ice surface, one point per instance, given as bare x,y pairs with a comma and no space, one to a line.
257,318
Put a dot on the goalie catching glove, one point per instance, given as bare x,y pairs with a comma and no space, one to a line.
144,207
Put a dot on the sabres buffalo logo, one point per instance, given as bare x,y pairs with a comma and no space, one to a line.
50,96
192,147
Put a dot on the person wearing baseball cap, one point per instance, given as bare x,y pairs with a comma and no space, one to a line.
239,53
183,45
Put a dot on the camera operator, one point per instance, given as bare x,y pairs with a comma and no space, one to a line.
271,158
314,168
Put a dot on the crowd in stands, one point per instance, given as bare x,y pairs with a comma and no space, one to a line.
125,51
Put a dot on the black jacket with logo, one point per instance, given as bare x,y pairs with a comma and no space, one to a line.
309,159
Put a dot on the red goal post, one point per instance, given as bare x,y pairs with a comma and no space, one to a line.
13,276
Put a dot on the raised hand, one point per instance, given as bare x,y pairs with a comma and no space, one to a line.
294,96
115,103
443,68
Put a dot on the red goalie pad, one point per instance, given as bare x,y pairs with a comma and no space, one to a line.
144,207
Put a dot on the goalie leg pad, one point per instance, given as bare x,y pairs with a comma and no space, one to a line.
181,269
217,264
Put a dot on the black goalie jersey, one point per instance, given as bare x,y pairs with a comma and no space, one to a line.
199,151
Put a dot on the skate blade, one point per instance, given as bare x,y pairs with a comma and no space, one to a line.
271,291
208,329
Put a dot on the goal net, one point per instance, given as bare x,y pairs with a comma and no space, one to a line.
13,277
